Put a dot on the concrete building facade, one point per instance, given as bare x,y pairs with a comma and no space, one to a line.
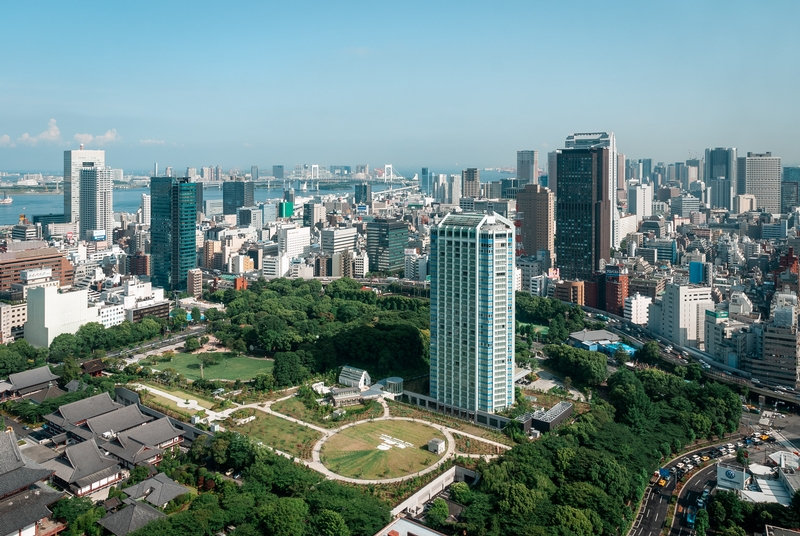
472,314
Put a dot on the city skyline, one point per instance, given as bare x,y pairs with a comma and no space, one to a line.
357,83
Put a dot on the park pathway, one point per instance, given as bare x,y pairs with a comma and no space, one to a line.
316,463
192,405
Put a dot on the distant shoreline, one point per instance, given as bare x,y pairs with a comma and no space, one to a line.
34,190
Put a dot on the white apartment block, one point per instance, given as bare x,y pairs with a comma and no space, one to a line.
472,313
416,266
275,266
111,315
640,200
146,209
338,240
294,241
679,315
636,309
360,264
12,321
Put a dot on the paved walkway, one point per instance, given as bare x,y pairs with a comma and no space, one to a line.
547,381
192,405
317,464
327,433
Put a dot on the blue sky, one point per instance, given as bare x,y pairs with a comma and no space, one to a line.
444,84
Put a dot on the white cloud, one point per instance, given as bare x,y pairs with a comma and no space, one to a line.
152,142
52,134
108,137
102,139
83,138
5,141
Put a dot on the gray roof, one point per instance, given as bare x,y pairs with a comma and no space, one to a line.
16,470
553,413
141,443
27,507
51,391
31,378
158,490
76,385
82,410
594,335
82,464
133,517
118,420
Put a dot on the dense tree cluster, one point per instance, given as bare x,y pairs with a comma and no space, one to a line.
561,318
587,478
278,496
314,330
731,516
582,366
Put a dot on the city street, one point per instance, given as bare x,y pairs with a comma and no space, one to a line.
706,477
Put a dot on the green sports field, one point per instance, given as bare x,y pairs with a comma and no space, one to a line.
355,452
229,368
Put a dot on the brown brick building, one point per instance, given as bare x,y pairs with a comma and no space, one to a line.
13,262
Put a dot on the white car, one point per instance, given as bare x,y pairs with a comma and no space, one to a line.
680,465
689,467
729,446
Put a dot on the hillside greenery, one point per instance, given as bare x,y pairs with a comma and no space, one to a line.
587,478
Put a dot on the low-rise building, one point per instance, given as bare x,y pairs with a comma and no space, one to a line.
133,516
12,321
24,383
144,445
158,490
636,309
77,413
354,377
82,469
25,497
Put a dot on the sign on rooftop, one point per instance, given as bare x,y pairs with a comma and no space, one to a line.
35,273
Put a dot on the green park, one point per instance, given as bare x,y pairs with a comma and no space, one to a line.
217,366
380,449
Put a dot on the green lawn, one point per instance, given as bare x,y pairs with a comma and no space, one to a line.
281,434
543,330
294,407
354,451
204,401
229,368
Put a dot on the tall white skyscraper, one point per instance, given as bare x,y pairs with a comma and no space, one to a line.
96,201
74,161
761,174
640,200
472,313
585,140
146,209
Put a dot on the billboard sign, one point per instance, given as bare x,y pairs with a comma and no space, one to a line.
730,476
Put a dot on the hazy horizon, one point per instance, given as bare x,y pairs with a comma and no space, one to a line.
447,85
